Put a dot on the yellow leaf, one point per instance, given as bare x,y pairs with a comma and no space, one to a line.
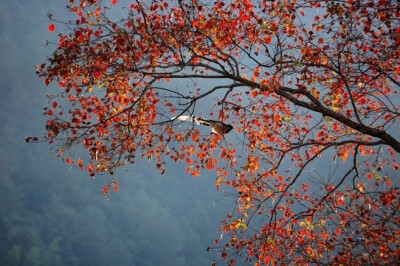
321,223
363,225
240,224
360,187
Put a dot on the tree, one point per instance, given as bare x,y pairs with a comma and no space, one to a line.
304,83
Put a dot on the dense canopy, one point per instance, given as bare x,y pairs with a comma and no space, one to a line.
310,87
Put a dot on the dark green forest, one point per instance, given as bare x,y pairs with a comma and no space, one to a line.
51,216
55,215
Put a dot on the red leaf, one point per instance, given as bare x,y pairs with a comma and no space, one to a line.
97,75
51,27
254,93
54,104
195,172
80,164
277,118
105,189
320,134
247,4
210,164
267,39
90,168
256,122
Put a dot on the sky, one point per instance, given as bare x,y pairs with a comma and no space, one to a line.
52,214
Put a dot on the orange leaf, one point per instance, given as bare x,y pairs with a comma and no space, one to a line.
188,169
324,235
343,155
195,172
210,164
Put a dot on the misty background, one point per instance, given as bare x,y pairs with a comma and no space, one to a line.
52,214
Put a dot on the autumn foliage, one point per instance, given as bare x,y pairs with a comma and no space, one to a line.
311,88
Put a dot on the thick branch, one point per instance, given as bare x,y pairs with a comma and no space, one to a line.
317,106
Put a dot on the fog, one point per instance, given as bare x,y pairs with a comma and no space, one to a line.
52,214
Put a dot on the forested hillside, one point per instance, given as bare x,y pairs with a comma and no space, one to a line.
53,215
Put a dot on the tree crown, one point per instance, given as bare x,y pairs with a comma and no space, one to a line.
304,84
